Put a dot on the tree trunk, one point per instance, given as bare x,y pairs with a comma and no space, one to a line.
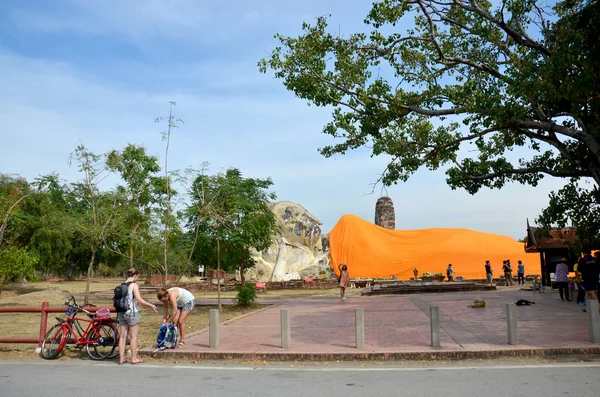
218,274
89,275
72,269
3,228
168,196
131,244
166,263
196,232
242,278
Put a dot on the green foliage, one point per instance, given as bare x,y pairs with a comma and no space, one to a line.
467,87
141,193
17,264
233,209
246,295
67,229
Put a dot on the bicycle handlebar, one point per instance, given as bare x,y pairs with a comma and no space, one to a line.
71,302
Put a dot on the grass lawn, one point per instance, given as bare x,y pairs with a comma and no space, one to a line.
101,291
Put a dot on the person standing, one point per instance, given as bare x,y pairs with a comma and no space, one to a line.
520,273
182,303
562,279
488,272
579,283
507,273
450,272
344,279
129,321
588,267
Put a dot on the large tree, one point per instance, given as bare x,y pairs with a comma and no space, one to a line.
232,210
97,221
141,192
429,79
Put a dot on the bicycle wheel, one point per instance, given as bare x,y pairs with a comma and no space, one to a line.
116,352
54,342
101,342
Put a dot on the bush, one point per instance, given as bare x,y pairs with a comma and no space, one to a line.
246,295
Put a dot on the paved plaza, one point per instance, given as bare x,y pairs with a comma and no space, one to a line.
398,326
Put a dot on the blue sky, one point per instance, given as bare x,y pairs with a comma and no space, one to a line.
99,72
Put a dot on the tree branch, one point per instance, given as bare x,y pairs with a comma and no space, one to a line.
525,41
531,170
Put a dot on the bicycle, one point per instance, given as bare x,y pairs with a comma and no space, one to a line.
100,337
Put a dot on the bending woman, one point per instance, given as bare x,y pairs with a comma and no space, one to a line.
182,302
129,321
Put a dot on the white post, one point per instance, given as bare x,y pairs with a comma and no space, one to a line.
360,328
286,334
511,322
593,320
434,315
213,329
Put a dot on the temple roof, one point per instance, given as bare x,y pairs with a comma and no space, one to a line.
555,238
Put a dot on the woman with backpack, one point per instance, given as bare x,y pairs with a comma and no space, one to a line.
182,303
129,321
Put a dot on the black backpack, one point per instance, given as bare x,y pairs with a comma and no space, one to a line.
120,298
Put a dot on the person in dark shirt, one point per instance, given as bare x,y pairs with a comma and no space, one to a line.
507,273
588,267
488,272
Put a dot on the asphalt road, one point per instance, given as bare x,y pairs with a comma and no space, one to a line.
81,378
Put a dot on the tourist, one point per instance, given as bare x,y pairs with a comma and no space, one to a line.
561,275
507,273
182,303
589,274
520,273
579,283
488,272
450,273
344,279
129,321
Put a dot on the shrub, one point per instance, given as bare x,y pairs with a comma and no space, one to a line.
246,295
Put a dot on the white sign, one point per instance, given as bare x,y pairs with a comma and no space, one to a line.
200,269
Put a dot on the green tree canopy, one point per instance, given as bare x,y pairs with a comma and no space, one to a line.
515,82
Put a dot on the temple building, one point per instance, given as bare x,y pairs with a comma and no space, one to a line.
552,245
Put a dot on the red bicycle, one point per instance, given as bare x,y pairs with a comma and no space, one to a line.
100,337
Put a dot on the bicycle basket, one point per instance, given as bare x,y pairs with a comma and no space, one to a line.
103,312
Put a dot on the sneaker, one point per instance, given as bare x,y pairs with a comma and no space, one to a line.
344,298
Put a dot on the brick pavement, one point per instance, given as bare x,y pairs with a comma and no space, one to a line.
397,326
